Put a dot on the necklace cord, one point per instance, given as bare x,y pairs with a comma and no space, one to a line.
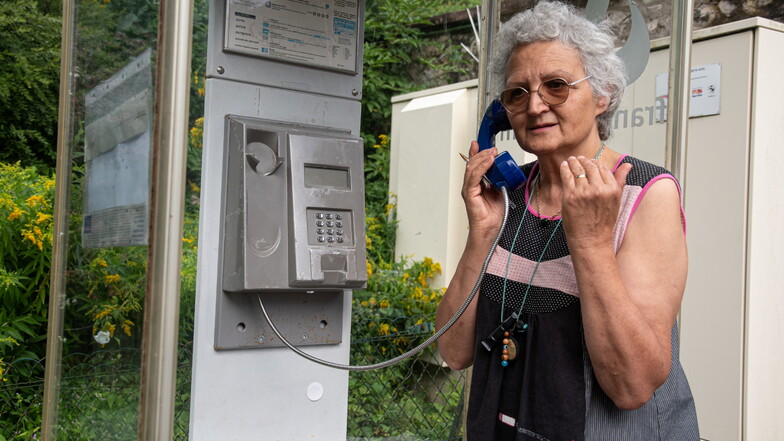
539,261
424,344
535,189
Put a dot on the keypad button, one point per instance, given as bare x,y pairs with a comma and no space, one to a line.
339,224
339,232
339,216
330,223
320,238
339,239
320,231
328,216
319,223
330,231
319,215
330,239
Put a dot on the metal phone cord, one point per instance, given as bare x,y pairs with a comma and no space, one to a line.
424,344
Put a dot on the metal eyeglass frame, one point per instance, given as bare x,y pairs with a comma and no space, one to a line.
569,85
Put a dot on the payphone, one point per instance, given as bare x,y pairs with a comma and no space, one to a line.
294,210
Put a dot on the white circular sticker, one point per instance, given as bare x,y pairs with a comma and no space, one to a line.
315,391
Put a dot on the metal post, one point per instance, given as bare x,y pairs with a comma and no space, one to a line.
54,343
489,22
678,93
162,299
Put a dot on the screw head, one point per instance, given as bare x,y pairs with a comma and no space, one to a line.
220,70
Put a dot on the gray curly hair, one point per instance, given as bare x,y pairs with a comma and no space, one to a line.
555,21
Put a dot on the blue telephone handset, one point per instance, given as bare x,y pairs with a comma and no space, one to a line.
505,172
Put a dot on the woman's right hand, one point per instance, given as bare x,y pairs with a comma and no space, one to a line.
484,204
485,209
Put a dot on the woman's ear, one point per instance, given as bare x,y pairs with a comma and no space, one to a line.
602,103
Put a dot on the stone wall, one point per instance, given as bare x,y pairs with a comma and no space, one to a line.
455,28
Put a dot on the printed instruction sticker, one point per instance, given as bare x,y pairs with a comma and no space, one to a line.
312,32
705,91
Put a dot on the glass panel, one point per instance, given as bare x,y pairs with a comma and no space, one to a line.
112,116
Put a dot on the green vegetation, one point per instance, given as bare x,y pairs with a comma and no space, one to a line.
105,287
393,40
29,84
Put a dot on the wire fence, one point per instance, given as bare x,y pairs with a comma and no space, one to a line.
418,399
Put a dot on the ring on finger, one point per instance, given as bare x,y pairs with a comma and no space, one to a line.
581,175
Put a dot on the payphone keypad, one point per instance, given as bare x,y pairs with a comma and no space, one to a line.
329,227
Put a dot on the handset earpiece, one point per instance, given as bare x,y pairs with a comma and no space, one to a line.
504,172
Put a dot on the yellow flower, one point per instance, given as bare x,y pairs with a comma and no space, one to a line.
102,314
364,303
112,327
369,268
384,304
422,279
16,214
43,217
200,91
29,235
100,262
187,240
112,278
194,188
417,293
405,277
401,341
383,329
388,208
127,327
34,200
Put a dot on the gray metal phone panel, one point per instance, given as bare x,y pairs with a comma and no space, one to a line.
326,258
272,240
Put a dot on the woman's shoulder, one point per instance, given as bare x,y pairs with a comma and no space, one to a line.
643,173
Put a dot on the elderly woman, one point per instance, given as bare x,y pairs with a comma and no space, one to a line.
584,287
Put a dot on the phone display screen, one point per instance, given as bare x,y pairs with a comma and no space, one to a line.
319,176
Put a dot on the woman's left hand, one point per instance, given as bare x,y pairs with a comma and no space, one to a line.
590,201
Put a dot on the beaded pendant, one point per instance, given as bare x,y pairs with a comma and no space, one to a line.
509,349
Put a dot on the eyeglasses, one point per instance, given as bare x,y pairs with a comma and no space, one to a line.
552,92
